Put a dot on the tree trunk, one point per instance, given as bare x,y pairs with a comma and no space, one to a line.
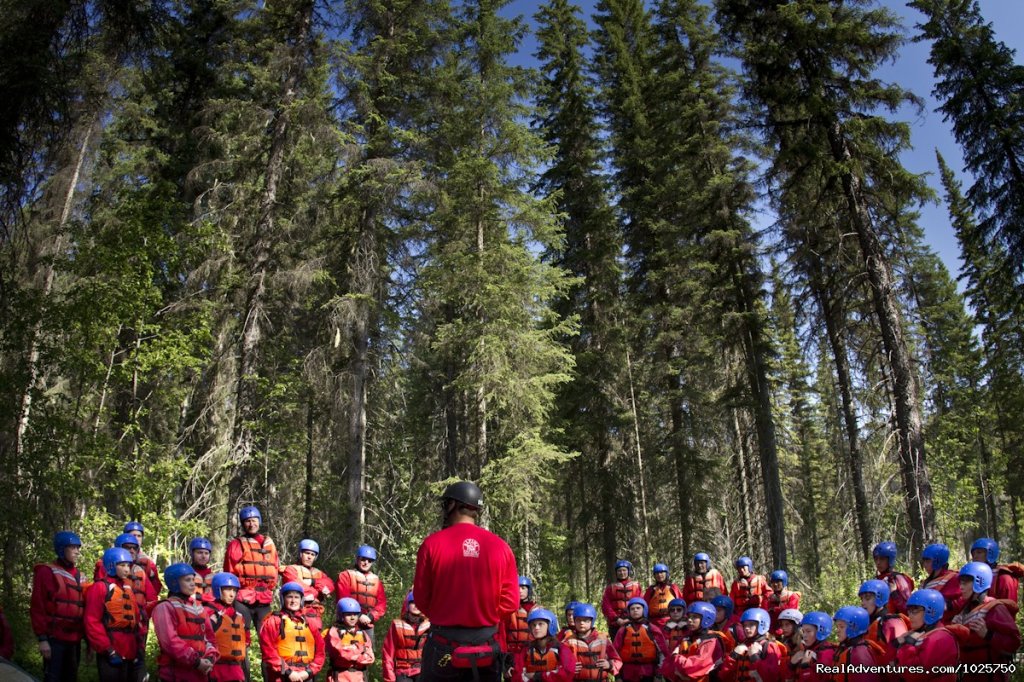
905,390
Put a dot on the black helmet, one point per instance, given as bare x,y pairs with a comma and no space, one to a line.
465,492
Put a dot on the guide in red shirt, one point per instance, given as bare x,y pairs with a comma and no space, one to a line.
466,583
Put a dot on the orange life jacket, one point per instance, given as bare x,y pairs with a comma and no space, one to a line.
409,643
517,634
639,646
745,670
622,592
203,586
748,592
69,602
878,652
537,662
660,598
190,626
364,588
939,581
588,654
728,641
875,632
229,636
338,640
307,576
120,609
675,636
258,567
140,579
978,613
295,643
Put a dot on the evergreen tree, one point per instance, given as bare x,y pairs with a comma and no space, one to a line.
980,88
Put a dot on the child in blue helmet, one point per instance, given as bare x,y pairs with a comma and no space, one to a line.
985,627
1005,577
349,651
705,583
928,644
677,627
758,655
938,576
814,650
659,594
596,657
230,635
292,650
617,594
642,646
402,654
544,658
199,551
780,598
366,587
851,626
517,630
187,648
112,620
702,652
570,626
727,621
885,627
901,585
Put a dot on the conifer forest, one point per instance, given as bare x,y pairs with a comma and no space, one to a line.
668,292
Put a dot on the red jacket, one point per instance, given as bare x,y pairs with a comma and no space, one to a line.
355,584
466,576
631,670
859,651
222,617
104,628
777,602
403,647
349,653
702,587
824,653
270,636
901,586
180,653
767,664
1000,643
618,592
937,648
750,593
948,583
255,590
657,598
52,614
1006,581
885,629
695,660
562,666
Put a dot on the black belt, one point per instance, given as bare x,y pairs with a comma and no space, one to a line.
454,636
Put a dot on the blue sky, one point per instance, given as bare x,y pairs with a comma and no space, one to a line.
912,71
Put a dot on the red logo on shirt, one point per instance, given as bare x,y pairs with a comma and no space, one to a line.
470,548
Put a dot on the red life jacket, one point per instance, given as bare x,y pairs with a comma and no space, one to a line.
307,576
69,602
258,567
638,646
120,609
537,662
747,592
875,631
409,643
190,626
338,640
203,577
228,634
517,634
818,646
675,636
588,653
623,592
939,581
364,589
660,598
140,579
745,669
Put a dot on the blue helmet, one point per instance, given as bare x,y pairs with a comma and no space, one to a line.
938,553
134,525
292,586
745,561
524,581
658,568
200,543
222,580
308,545
366,552
569,607
114,556
886,549
677,602
724,601
701,556
879,588
544,614
637,600
173,575
409,598
584,611
126,539
933,603
990,546
761,617
779,576
856,620
980,573
348,606
64,539
622,563
706,612
821,622
249,513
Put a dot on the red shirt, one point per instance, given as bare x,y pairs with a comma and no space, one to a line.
466,576
936,648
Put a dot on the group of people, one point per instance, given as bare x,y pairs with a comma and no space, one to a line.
474,619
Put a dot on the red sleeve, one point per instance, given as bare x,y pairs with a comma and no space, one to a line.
324,584
98,573
768,665
861,655
268,642
319,653
508,583
702,662
1005,586
95,632
1003,635
232,556
518,664
901,587
382,602
421,586
152,595
43,588
606,605
387,655
566,667
937,648
289,574
689,591
343,587
154,577
614,657
212,653
648,595
659,640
